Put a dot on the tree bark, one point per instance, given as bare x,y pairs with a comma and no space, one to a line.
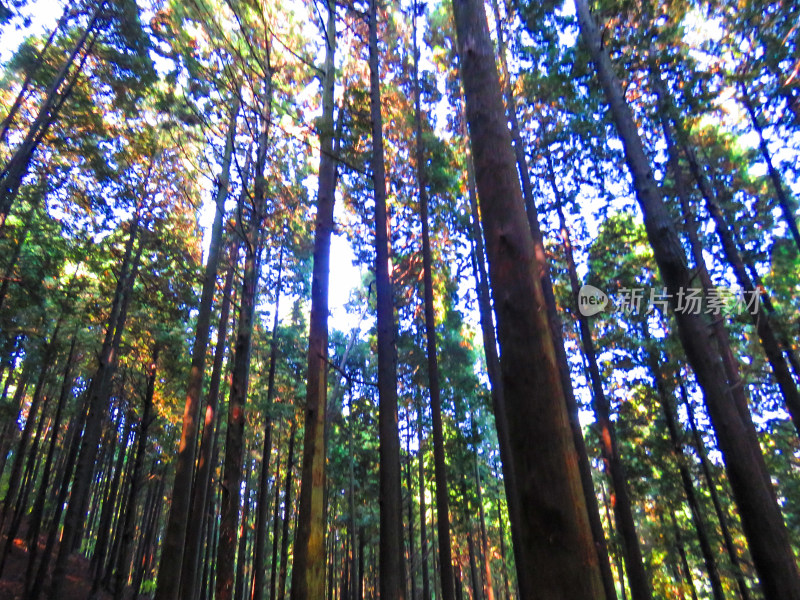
287,515
638,578
423,516
121,570
175,537
553,316
392,584
727,538
240,375
556,556
439,465
308,571
699,521
234,439
207,453
37,513
262,504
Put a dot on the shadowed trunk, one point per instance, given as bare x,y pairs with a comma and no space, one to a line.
554,547
392,585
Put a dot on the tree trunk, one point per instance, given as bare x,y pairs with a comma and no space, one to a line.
109,503
287,515
37,514
490,352
758,507
175,536
423,516
234,439
273,568
727,538
439,465
409,467
658,376
623,506
208,442
556,556
682,553
308,570
259,555
240,375
15,479
487,566
241,553
392,584
553,316
761,322
121,570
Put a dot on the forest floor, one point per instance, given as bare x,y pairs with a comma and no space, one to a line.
77,585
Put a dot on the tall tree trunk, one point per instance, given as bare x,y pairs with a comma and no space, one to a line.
121,570
727,538
240,375
439,465
682,553
234,439
392,584
423,512
142,566
72,445
487,566
273,567
241,553
758,507
556,556
490,352
170,580
658,375
409,469
553,316
208,443
15,480
37,514
12,428
259,555
109,503
287,516
623,506
308,570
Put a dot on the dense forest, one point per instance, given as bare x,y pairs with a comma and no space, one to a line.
351,300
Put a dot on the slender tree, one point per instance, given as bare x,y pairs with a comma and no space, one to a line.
308,573
392,586
175,536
